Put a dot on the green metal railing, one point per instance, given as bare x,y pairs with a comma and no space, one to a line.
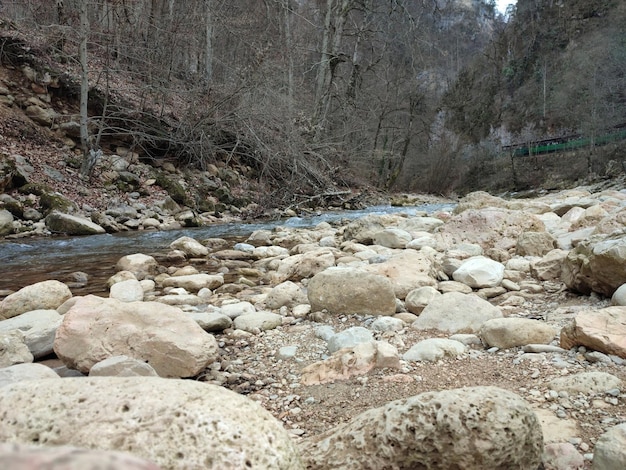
552,146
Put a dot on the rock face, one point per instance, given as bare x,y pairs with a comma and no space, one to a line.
507,333
24,457
597,265
174,423
603,330
347,290
456,313
71,224
163,336
471,429
42,295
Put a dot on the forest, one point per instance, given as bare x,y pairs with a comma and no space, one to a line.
311,95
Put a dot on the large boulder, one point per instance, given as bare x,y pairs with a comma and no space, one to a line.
609,452
534,244
25,371
304,265
39,328
597,264
348,290
363,230
174,423
507,333
138,264
95,329
455,312
602,330
6,222
479,271
13,350
195,282
190,247
407,270
473,428
43,295
489,227
60,222
31,457
392,237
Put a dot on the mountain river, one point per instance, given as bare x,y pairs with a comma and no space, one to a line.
26,261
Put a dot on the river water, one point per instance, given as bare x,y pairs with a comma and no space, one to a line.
26,261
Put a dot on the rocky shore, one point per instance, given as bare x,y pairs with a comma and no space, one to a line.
487,337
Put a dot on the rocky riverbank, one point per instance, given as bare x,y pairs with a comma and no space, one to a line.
489,337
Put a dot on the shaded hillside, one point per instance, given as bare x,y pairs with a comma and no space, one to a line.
557,69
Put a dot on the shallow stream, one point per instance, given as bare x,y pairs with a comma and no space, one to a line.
26,261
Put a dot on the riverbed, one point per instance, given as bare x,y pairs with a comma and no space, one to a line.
26,261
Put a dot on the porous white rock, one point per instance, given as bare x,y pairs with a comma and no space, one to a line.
610,449
32,457
586,382
174,423
474,428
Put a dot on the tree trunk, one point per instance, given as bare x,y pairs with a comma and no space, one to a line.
84,86
208,45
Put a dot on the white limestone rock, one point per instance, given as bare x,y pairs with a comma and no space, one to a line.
96,328
455,312
45,295
474,428
174,423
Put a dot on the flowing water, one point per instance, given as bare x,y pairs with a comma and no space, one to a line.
26,261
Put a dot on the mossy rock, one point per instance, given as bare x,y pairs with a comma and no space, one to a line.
35,188
173,188
224,195
206,205
10,175
56,202
14,206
